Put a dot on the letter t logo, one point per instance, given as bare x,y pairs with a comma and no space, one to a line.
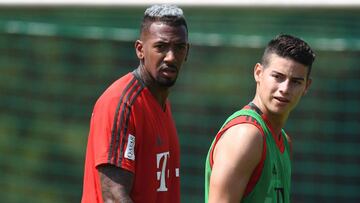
161,174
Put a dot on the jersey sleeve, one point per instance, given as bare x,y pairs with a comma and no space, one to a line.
112,131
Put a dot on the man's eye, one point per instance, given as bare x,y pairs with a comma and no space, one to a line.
160,46
298,82
181,47
276,76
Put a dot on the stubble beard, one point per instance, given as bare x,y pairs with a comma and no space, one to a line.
164,82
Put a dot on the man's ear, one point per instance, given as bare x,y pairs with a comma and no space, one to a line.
139,49
258,69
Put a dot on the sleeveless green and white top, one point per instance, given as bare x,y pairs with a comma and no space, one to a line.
270,182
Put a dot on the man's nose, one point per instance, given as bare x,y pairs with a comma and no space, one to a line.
170,55
284,86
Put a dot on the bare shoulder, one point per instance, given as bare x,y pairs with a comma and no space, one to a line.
235,156
240,143
242,138
247,130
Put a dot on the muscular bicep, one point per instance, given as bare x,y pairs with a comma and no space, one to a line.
116,183
235,157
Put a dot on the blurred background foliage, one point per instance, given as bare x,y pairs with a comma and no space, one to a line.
56,61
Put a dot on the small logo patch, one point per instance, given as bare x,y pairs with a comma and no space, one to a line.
158,140
130,148
274,171
177,172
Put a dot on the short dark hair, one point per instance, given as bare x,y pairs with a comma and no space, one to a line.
166,13
291,47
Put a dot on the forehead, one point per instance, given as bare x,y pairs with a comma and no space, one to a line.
286,66
163,31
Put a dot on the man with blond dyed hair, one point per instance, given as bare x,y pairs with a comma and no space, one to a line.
133,150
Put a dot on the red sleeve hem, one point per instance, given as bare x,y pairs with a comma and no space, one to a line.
125,166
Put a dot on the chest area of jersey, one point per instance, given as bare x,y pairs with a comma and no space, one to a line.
275,180
159,148
160,131
157,130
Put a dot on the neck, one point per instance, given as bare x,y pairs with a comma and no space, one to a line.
160,93
276,121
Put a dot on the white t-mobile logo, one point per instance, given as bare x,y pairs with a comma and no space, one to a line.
164,172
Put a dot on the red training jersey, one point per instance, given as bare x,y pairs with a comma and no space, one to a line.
129,129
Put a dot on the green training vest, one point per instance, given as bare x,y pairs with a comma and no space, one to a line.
273,185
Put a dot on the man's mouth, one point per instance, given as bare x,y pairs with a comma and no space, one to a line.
169,71
168,68
282,99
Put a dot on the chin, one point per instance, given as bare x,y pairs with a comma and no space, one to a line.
166,81
279,110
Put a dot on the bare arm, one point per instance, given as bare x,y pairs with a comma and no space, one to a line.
116,184
235,157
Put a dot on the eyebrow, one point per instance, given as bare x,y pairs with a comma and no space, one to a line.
299,78
293,78
161,41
